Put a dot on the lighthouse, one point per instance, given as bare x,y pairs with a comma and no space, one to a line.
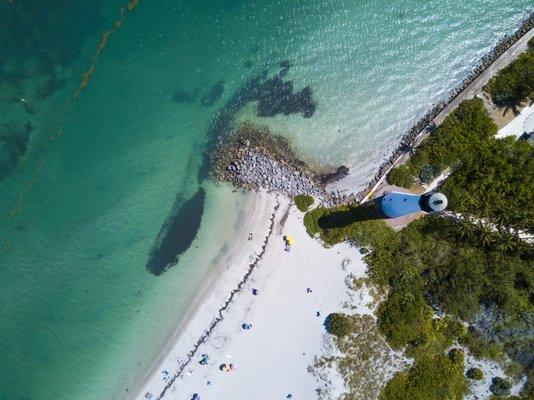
397,204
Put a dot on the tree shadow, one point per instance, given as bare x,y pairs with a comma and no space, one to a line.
366,212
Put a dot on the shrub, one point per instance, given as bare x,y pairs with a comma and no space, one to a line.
500,387
475,373
311,221
431,377
456,355
429,173
481,347
303,202
338,325
531,44
400,176
404,317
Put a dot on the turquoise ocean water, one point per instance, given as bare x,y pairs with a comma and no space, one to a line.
87,183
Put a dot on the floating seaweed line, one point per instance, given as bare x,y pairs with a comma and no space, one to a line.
251,267
86,76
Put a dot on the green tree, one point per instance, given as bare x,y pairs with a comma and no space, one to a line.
404,317
460,131
513,84
500,387
303,202
401,177
428,173
339,325
475,374
458,283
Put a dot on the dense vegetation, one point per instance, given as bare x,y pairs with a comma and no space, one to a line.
515,83
491,178
439,273
496,181
461,131
431,377
429,265
339,325
401,176
433,264
303,202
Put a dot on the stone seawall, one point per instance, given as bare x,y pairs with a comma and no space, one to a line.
438,111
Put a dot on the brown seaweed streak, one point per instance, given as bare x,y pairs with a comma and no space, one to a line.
88,74
86,77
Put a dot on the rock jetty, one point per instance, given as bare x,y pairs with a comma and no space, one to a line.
256,170
254,159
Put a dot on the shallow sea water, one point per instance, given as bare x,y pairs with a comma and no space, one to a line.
81,316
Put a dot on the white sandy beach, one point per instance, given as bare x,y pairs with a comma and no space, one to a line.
274,358
271,359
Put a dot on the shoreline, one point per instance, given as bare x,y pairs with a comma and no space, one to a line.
261,209
279,309
225,306
503,53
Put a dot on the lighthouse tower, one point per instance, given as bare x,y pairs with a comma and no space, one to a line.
397,204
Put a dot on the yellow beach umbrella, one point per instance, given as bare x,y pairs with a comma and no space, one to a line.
289,239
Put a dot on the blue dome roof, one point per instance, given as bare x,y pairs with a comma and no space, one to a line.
396,204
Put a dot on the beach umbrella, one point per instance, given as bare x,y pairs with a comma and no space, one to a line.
289,240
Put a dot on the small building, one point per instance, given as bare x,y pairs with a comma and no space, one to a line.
397,204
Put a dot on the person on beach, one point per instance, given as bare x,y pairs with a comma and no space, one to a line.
226,367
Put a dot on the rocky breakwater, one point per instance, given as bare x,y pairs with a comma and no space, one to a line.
256,170
255,159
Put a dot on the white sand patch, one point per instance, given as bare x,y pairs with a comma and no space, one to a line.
272,359
480,390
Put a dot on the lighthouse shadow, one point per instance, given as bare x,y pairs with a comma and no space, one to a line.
357,213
